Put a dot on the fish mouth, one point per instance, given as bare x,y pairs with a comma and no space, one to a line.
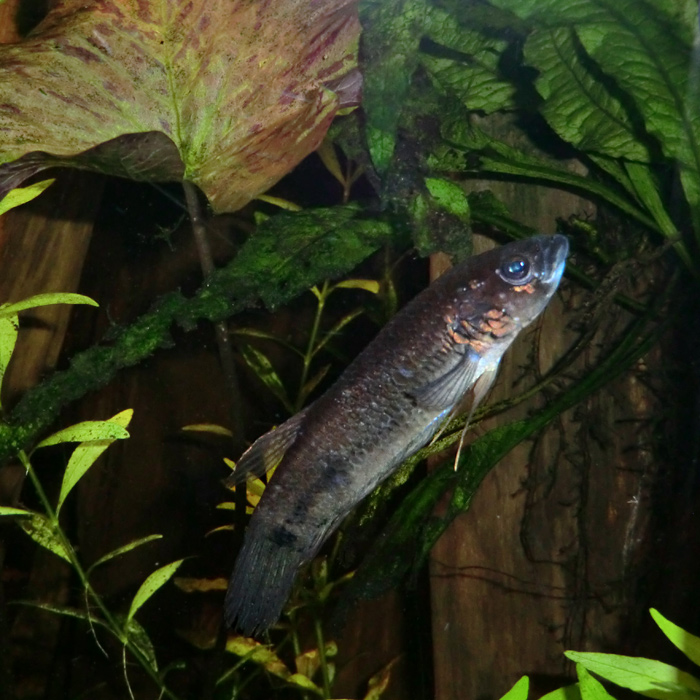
555,249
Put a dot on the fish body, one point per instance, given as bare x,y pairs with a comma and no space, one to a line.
388,403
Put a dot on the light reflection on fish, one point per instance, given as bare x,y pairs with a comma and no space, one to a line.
387,404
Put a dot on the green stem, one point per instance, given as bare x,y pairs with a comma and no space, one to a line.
113,625
318,629
321,295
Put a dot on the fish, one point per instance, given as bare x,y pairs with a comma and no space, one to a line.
390,401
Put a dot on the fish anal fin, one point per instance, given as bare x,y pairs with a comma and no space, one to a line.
267,451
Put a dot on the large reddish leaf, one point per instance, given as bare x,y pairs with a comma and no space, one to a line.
228,94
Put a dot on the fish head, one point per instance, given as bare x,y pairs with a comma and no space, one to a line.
506,289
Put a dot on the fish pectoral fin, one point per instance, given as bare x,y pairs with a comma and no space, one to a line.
267,451
448,390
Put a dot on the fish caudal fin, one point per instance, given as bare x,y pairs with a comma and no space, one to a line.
261,582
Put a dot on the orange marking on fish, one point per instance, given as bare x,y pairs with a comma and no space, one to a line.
525,288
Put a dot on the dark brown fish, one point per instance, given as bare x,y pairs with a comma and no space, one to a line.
387,404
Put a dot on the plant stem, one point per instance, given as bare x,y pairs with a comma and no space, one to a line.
223,337
117,630
320,643
321,295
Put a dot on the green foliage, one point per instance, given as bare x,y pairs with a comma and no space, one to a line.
22,195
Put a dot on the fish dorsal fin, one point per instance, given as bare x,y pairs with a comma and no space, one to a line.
446,391
268,450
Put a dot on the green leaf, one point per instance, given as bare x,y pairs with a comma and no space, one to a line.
138,636
688,643
590,688
123,550
9,327
471,69
569,692
578,103
45,300
22,195
7,511
519,691
371,286
158,578
449,196
646,676
67,612
265,372
87,431
41,530
390,45
333,240
86,454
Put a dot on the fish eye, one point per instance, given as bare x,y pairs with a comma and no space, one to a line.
515,271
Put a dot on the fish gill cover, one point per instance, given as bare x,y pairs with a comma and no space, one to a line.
227,95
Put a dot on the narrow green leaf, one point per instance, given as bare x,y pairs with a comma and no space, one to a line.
569,692
9,327
265,372
66,612
22,195
86,454
335,330
519,691
7,511
688,643
591,689
40,529
151,585
211,428
138,636
45,300
312,383
646,676
371,286
123,550
87,431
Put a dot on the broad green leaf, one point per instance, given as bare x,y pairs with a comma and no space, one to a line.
591,689
157,579
472,71
7,511
87,431
41,530
646,676
123,550
449,196
569,692
578,104
688,643
519,691
9,327
45,300
265,372
335,238
392,30
22,195
86,454
229,96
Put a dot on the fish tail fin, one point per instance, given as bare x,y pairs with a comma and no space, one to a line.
260,585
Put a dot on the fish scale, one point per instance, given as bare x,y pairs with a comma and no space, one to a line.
388,403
